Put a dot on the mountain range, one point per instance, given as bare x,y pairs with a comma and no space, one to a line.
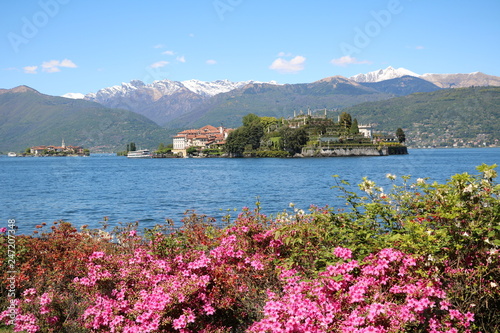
175,104
148,114
441,80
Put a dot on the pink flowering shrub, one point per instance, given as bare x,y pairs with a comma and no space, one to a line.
420,258
382,293
37,313
194,291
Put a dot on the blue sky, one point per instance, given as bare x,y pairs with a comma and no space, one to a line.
61,46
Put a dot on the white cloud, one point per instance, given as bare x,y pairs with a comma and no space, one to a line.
181,59
293,65
283,54
168,53
211,62
348,60
159,64
30,69
53,66
68,63
419,47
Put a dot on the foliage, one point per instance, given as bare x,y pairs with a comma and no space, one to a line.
354,127
271,153
418,258
192,150
131,146
400,134
249,134
345,120
293,139
47,265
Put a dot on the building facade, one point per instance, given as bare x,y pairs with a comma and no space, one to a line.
205,137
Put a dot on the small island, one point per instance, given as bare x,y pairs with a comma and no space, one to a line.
61,150
304,135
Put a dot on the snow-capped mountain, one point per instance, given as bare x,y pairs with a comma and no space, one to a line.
462,80
216,87
383,74
440,80
163,100
158,89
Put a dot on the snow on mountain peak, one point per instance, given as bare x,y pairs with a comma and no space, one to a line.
383,74
167,87
209,89
74,95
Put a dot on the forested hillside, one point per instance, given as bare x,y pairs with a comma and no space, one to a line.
29,118
448,117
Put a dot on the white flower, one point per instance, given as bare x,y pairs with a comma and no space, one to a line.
493,284
420,181
469,188
367,185
390,176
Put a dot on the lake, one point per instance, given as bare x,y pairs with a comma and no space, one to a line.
84,190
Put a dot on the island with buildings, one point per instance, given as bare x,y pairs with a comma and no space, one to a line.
311,134
62,150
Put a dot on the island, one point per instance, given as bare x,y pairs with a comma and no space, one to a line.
62,150
303,135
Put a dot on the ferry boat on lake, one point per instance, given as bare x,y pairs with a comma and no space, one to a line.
144,153
12,154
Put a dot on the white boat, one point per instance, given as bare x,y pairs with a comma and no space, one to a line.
144,153
12,154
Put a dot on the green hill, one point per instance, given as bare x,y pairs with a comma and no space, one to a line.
29,118
448,117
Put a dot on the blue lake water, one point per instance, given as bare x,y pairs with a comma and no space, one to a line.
84,190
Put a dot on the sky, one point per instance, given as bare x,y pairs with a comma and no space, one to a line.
81,46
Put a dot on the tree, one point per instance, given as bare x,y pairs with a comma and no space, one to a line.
250,134
345,121
253,133
293,139
400,135
354,127
131,147
235,142
250,119
191,150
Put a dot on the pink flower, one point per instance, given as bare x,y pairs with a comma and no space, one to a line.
3,229
132,233
342,253
96,255
29,292
469,316
45,299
